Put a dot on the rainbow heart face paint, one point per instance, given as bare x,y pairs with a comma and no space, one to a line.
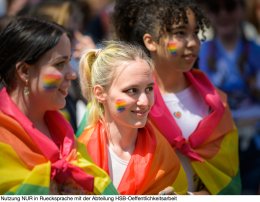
120,105
51,81
172,48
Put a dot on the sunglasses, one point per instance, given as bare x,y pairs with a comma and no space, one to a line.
228,6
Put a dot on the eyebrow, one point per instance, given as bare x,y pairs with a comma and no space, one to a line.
182,26
136,86
60,58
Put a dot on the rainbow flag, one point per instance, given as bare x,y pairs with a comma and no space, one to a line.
30,162
84,122
213,147
149,170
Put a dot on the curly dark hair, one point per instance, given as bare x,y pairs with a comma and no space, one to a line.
133,18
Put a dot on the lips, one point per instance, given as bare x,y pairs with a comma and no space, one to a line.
140,112
64,88
63,91
190,57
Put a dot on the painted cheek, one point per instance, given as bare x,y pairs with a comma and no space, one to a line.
172,48
51,81
120,105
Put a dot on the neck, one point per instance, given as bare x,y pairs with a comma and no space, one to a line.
170,81
31,111
122,140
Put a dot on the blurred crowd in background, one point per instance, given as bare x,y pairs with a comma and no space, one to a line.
230,56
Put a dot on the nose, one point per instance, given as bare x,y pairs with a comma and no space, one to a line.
193,41
71,74
143,100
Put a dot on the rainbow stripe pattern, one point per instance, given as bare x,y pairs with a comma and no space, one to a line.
120,105
172,48
212,145
149,171
30,161
51,81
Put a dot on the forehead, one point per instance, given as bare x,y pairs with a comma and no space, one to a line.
61,50
189,20
136,70
186,18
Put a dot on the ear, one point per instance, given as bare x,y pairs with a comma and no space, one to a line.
149,42
100,93
22,70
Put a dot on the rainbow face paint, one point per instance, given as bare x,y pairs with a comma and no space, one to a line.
120,105
51,81
172,48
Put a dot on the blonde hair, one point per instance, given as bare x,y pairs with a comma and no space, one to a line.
97,67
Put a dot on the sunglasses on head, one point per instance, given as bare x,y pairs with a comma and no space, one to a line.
228,5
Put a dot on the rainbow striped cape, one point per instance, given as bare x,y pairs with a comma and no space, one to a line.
213,147
152,167
29,161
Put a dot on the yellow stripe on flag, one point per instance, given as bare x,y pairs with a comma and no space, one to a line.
13,171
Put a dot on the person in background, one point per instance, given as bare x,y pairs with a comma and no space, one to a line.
231,61
118,138
189,111
99,25
38,149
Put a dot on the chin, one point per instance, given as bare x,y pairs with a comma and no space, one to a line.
62,103
140,124
59,106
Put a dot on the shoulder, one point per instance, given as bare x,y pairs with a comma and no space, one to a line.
160,139
202,79
200,76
